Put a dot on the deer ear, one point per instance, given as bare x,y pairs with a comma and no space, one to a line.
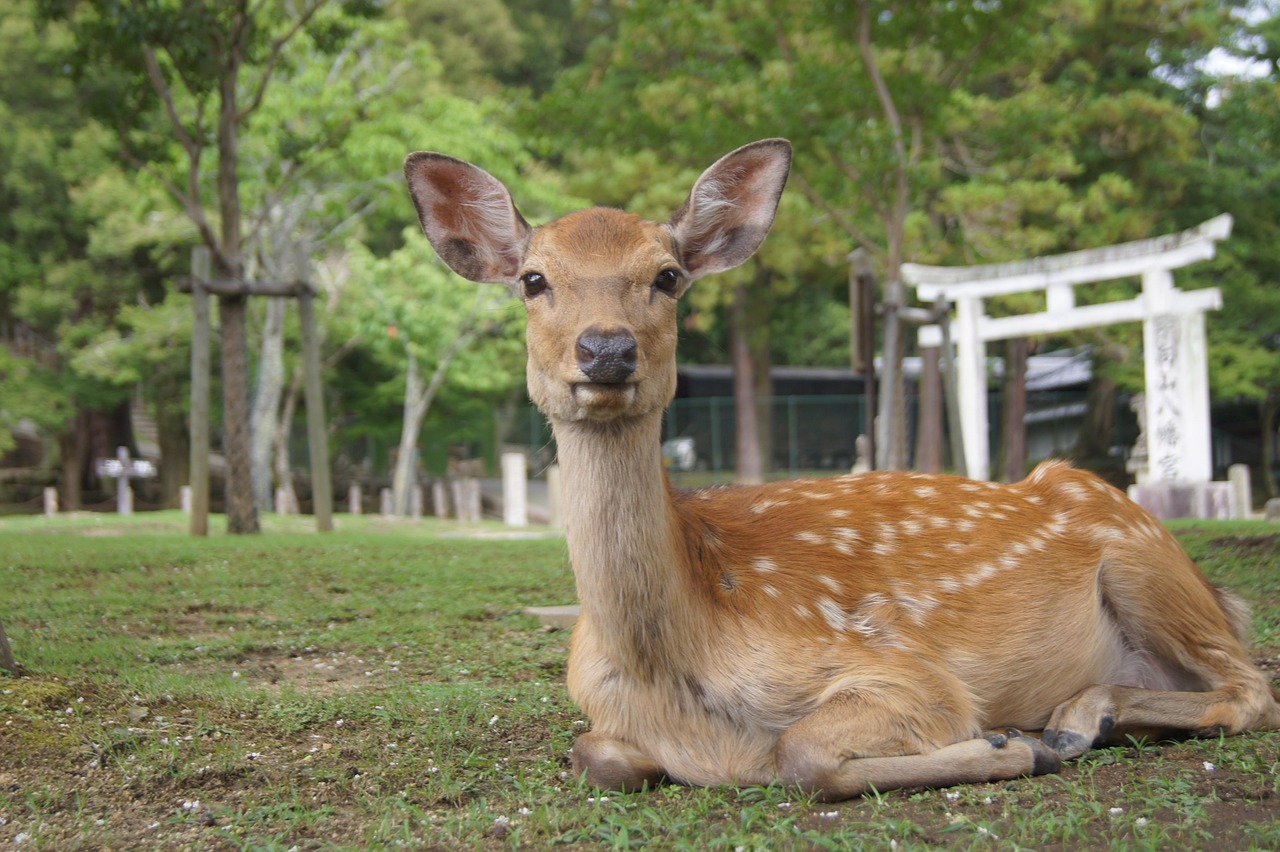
468,216
731,208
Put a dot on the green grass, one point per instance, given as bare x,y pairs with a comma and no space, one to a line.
379,687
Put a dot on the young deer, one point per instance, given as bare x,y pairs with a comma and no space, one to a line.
846,634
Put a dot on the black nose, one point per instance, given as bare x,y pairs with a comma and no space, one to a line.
608,357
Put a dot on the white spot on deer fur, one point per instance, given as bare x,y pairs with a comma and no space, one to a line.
764,564
833,614
917,608
809,537
883,548
950,585
955,546
1008,562
984,572
926,491
1035,499
846,534
769,590
831,584
965,525
1074,490
839,513
802,611
767,504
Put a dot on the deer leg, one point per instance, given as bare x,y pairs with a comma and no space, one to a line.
854,744
611,764
1104,711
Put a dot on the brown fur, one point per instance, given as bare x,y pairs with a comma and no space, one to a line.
840,634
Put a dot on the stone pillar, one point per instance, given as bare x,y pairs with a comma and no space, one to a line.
515,490
355,500
1177,386
386,506
1241,491
50,502
184,499
440,498
971,382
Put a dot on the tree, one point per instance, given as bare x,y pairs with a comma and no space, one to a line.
423,317
940,132
186,78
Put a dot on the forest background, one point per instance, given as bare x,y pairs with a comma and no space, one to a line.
933,132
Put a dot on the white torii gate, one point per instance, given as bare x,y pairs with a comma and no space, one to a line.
1174,350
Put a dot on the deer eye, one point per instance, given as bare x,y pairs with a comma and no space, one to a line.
667,281
533,284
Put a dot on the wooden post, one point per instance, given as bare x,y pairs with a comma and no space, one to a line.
201,269
6,653
317,434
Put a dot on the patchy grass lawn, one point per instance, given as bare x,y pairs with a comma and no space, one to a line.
379,687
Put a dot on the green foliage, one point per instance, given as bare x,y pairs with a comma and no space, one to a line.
1026,128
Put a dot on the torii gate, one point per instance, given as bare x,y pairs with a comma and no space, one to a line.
1174,350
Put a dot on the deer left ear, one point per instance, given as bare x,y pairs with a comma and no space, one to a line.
731,208
468,216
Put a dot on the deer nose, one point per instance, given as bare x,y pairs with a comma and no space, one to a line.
607,356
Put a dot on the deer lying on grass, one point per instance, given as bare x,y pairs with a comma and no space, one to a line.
848,634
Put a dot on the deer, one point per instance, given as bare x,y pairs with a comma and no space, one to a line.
842,635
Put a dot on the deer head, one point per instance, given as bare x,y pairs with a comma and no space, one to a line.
600,286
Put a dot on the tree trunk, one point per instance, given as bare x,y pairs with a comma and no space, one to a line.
175,445
758,315
750,468
1013,421
406,471
1270,417
242,514
281,431
929,442
266,402
1094,441
71,447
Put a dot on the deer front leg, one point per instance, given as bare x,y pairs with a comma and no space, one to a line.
854,744
614,765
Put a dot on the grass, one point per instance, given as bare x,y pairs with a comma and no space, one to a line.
379,687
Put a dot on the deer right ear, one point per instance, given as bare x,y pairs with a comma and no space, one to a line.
731,208
468,216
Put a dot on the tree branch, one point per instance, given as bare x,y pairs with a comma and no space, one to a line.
161,86
273,60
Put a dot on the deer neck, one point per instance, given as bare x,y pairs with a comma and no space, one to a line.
621,530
